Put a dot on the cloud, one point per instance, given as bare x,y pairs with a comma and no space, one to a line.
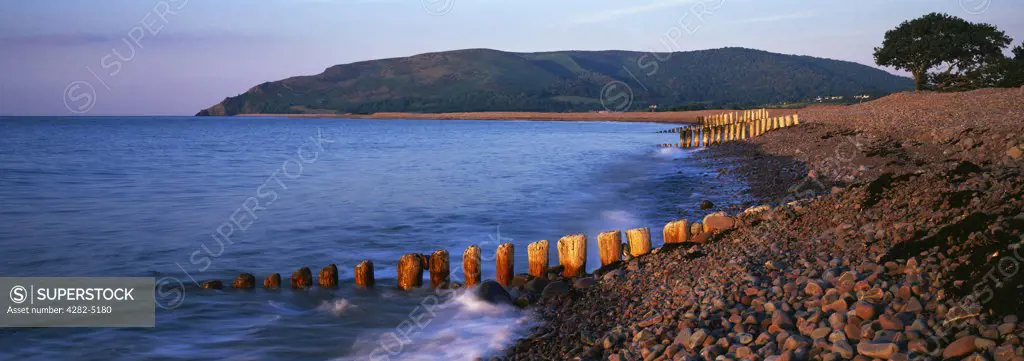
83,39
55,39
613,14
774,18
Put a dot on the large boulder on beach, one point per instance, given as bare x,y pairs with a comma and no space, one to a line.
717,222
706,204
536,285
494,293
554,289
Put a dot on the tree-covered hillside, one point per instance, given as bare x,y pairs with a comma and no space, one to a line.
490,80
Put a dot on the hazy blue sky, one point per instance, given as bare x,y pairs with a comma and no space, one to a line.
190,54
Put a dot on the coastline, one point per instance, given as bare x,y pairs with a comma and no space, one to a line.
682,117
887,231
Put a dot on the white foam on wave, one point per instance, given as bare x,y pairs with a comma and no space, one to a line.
619,218
670,153
465,328
337,307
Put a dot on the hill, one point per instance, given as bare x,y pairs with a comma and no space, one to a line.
476,80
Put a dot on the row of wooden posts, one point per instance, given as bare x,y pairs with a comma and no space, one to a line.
572,257
742,116
699,135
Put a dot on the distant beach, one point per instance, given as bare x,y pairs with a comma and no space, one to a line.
682,117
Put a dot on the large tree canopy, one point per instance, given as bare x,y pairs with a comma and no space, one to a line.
959,51
1012,71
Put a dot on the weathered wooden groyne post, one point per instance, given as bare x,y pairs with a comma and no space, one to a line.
572,255
410,271
364,274
328,276
537,257
504,264
676,232
471,265
302,279
245,281
609,245
639,240
440,269
273,281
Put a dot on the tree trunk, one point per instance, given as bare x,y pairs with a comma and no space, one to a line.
919,78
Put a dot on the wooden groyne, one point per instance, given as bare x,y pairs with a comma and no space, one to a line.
728,127
571,249
571,253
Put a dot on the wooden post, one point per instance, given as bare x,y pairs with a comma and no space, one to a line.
244,281
796,119
537,257
676,232
273,281
410,271
328,277
609,245
364,274
440,270
471,265
572,254
303,278
504,264
639,241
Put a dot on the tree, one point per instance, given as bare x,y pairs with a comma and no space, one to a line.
1012,71
961,51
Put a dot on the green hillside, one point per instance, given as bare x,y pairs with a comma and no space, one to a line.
490,80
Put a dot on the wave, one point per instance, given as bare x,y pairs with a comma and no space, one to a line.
671,153
337,307
619,218
465,328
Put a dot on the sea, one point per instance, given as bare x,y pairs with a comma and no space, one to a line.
186,200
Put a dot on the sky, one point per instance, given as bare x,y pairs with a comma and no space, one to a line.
176,57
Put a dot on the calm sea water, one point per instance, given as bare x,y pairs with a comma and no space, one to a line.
151,196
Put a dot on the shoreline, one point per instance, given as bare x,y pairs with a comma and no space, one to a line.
680,117
882,234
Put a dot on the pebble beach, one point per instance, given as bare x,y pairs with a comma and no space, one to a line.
888,230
